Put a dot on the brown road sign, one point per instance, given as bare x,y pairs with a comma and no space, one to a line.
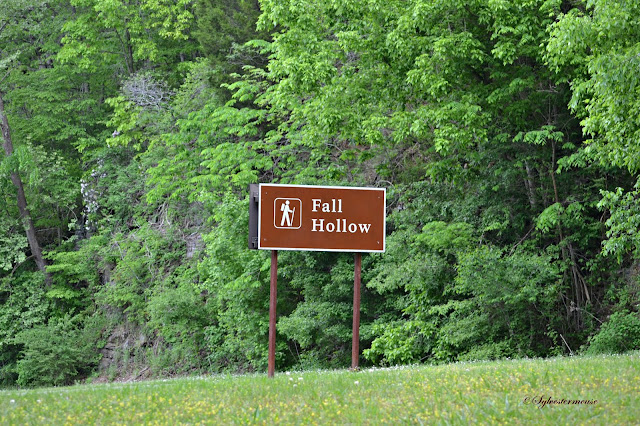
322,218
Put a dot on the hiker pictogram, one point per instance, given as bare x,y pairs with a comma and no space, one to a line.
288,213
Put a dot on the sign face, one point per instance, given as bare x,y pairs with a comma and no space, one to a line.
322,218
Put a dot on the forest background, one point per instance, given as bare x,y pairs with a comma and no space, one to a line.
506,132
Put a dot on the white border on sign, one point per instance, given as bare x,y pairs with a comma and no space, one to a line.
384,230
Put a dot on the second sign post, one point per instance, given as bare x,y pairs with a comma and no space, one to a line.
316,218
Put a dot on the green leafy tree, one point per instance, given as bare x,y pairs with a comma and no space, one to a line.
224,25
128,34
595,47
15,18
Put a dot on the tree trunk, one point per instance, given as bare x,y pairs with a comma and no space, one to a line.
25,215
531,187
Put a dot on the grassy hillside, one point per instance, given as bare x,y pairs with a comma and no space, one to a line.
516,391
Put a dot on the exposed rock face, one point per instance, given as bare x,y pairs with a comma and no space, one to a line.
119,353
194,244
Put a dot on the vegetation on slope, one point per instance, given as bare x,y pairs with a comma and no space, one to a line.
505,132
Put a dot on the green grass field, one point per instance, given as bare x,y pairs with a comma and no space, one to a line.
510,392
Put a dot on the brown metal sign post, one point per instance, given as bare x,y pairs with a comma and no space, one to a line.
273,290
316,218
355,340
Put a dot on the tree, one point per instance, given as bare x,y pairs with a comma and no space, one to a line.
14,16
407,94
595,48
225,25
36,251
129,35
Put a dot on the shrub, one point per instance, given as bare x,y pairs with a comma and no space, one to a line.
620,334
23,305
55,354
179,316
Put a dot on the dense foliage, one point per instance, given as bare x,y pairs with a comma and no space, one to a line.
505,132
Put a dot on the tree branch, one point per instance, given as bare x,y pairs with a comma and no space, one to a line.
5,76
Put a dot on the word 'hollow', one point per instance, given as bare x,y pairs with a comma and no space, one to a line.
340,225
